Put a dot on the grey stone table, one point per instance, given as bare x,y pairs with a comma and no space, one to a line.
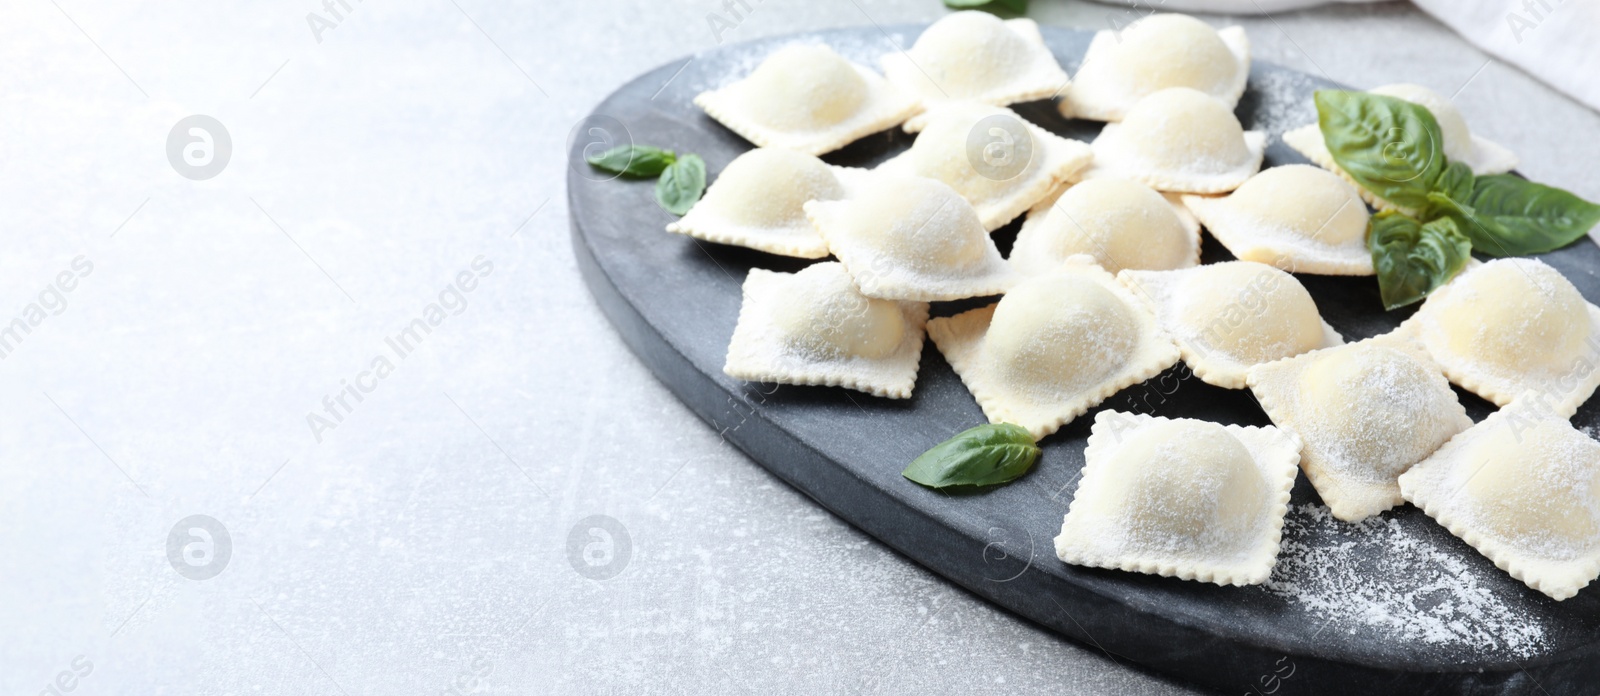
349,336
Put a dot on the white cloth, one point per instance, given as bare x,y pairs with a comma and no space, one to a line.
1553,40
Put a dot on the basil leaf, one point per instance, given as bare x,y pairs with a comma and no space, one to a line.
1511,216
1390,146
1455,181
681,184
982,456
1414,259
1016,6
634,160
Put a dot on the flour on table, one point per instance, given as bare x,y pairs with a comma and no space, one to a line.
1414,590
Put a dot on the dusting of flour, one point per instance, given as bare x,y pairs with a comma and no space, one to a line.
1407,586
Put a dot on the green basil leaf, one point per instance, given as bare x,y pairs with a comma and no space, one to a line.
1390,146
634,160
681,184
1511,216
1455,181
1015,6
983,456
1414,259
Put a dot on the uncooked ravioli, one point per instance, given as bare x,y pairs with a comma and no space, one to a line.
1054,346
1155,53
814,327
1367,412
911,238
996,160
975,56
1297,217
1229,317
1181,498
1179,140
757,201
1121,223
1513,325
807,98
1523,488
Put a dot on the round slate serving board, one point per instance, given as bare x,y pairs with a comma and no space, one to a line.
1393,605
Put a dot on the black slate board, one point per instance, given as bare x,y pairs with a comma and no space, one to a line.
675,302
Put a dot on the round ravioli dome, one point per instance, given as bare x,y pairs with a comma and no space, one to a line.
1122,224
1172,50
824,314
920,221
1181,128
1515,314
1176,482
1453,126
964,52
941,152
1366,403
1252,312
805,86
1308,201
1063,331
767,187
1537,484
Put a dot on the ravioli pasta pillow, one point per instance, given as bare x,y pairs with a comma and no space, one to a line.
1055,346
1006,175
1229,317
1155,53
1297,217
1181,498
807,98
757,200
1366,411
1523,488
814,328
975,56
1121,223
911,238
1513,325
1179,140
1483,156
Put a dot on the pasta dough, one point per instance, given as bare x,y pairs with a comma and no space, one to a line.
1366,411
992,157
1181,498
911,238
1179,140
814,328
1523,488
1152,54
1460,145
1512,325
1055,346
1121,223
1229,317
974,56
757,201
807,98
1297,217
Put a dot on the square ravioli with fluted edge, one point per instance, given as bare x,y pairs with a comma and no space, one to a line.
1181,498
1523,488
813,327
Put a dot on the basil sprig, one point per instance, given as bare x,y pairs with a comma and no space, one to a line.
983,456
1395,149
682,178
1014,6
1415,259
681,184
634,160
